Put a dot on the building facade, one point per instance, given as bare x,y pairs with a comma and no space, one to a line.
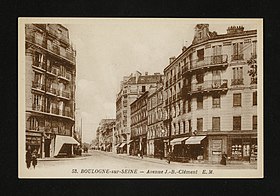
104,134
211,97
50,74
131,88
156,134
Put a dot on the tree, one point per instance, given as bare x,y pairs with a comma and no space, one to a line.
252,63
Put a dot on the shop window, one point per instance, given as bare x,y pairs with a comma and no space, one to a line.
200,124
236,99
190,126
216,123
255,98
237,123
255,122
200,102
216,102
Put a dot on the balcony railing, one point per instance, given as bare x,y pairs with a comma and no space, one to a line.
52,110
66,76
32,38
254,80
38,107
51,90
37,85
209,85
64,94
39,65
236,57
52,70
205,62
237,81
254,56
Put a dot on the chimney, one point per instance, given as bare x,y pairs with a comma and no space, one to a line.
137,74
171,59
235,29
146,73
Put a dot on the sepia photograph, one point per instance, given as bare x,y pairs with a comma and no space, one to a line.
140,98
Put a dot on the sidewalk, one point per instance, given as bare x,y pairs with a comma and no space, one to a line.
83,156
234,164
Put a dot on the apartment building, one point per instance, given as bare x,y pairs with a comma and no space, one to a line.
131,88
211,96
156,134
104,134
50,74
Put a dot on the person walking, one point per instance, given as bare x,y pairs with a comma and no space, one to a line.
34,158
28,156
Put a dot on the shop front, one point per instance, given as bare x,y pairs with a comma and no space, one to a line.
158,148
242,148
179,149
34,141
197,148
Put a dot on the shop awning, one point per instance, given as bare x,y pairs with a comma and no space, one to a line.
195,139
178,140
60,140
130,141
122,145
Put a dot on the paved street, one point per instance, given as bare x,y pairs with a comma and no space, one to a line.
102,164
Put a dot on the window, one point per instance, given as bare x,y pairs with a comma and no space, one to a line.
200,55
143,88
237,76
217,57
179,127
200,102
200,78
236,123
255,98
200,124
32,123
255,124
216,102
216,124
236,99
184,126
189,106
190,125
237,51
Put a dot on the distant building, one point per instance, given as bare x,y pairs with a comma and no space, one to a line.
104,134
50,78
131,88
210,97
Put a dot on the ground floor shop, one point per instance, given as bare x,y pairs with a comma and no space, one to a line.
138,146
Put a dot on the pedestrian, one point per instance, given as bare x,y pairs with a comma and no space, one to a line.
169,154
224,159
28,156
34,158
160,154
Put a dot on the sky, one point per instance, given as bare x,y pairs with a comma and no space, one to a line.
108,49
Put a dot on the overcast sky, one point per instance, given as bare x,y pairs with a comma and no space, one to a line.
108,49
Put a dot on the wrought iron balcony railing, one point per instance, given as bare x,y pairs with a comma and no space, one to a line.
38,85
209,85
205,62
64,94
237,81
51,90
236,57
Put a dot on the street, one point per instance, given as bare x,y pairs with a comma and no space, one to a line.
105,164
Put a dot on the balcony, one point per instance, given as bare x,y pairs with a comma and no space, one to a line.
66,76
51,91
38,107
210,85
39,66
52,71
237,57
38,86
64,94
237,81
36,40
205,62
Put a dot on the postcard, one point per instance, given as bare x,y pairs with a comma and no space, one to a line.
140,98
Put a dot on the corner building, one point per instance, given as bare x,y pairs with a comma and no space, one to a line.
50,71
210,97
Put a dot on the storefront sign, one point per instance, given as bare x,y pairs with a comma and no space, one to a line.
217,145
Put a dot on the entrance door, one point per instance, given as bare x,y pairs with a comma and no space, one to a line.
47,147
